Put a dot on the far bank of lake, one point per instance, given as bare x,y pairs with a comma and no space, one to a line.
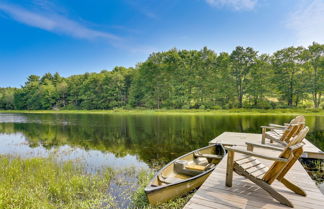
292,112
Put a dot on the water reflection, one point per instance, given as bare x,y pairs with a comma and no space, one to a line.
136,139
93,160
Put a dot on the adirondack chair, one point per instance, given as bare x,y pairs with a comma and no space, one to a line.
246,164
279,129
298,119
290,131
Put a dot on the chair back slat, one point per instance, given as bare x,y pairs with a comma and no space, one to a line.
299,138
289,132
279,169
295,130
301,126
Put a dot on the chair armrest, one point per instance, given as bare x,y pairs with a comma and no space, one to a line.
276,132
277,126
256,155
269,127
296,146
264,146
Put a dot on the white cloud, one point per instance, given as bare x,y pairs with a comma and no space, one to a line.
308,22
234,4
53,22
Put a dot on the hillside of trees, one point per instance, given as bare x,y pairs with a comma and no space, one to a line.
185,79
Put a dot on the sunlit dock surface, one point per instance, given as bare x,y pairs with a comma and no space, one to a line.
245,194
234,138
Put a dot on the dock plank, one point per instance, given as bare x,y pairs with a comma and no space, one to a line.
235,138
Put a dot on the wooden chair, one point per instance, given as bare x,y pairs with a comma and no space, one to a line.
248,166
296,120
282,138
279,129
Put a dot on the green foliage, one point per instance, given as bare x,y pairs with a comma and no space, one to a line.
259,83
242,61
314,72
42,183
184,79
289,75
7,98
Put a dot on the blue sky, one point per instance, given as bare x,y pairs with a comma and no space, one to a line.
74,37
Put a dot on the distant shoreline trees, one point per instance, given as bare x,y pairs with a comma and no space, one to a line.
185,79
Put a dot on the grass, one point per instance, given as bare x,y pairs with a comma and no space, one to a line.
178,111
139,199
315,168
43,183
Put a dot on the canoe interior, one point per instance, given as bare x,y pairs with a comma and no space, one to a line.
195,167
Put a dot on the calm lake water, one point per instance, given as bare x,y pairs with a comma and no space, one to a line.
121,140
126,141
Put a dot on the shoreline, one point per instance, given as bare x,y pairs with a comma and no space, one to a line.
310,112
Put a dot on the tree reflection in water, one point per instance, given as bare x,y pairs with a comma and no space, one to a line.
152,139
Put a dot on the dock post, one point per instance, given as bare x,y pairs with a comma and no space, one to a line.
263,135
229,168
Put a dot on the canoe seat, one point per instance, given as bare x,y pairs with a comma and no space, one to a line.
195,167
169,179
201,161
190,168
208,156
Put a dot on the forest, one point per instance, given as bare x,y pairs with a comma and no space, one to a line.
185,79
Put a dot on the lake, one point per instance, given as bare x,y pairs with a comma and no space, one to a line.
120,140
127,140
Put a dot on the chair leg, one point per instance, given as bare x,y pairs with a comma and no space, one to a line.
276,195
268,188
293,187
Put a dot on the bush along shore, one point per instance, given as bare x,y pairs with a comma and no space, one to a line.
242,111
315,168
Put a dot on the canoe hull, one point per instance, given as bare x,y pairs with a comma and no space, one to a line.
168,193
159,193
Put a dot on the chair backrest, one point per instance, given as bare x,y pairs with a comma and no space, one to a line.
298,119
300,127
289,132
292,152
292,131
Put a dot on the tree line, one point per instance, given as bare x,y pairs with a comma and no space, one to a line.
185,79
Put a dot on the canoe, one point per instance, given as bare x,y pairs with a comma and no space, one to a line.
184,174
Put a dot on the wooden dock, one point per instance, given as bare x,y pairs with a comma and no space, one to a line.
244,194
234,138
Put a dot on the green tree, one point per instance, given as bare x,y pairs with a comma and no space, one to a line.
242,59
29,93
224,82
314,56
287,65
7,98
259,80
